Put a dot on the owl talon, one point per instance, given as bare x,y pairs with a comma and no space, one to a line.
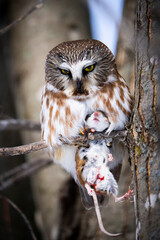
83,131
110,129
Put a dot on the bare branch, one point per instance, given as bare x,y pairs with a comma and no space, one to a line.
21,214
38,5
16,174
114,134
84,139
12,151
80,140
18,124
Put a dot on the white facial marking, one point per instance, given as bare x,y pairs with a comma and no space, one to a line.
76,68
111,78
50,87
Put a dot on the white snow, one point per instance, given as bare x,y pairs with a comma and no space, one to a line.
153,199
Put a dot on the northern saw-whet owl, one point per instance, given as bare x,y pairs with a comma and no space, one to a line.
81,78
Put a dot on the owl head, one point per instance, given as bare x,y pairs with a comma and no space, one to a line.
79,68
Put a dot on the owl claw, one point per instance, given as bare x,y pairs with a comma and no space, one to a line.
110,129
82,131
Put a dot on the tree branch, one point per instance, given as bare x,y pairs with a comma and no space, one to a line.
14,175
38,5
12,151
121,134
81,140
18,124
23,216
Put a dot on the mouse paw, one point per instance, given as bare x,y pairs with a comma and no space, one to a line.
92,130
126,196
110,157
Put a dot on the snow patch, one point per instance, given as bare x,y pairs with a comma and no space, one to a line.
135,207
147,203
153,199
138,229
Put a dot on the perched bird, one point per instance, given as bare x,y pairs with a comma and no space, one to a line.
81,78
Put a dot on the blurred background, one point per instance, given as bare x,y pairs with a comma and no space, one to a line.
49,198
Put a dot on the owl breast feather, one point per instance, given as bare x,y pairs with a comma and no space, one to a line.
60,117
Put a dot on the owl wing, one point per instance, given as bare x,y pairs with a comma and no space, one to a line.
61,116
116,101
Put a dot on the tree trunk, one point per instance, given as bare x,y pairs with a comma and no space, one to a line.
145,128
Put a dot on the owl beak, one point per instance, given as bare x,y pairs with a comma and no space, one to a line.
79,86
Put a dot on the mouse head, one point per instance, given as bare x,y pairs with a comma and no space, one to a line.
97,120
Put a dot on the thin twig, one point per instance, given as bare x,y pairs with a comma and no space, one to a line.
16,174
22,215
38,5
18,124
80,140
12,151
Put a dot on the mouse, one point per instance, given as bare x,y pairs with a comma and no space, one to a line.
97,121
94,163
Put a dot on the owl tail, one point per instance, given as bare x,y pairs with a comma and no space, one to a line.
87,200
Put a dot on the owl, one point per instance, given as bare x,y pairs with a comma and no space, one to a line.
81,77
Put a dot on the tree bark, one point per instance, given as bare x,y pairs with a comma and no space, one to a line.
145,127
